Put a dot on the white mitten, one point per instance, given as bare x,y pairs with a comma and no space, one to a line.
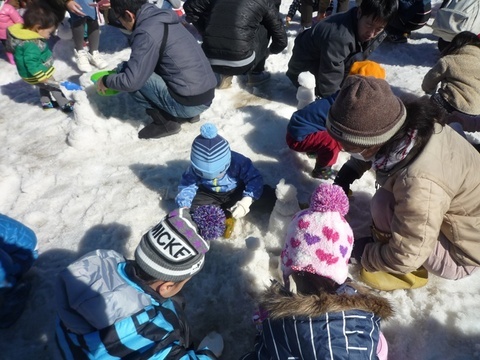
242,207
214,342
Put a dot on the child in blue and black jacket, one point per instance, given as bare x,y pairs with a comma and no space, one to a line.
218,176
18,252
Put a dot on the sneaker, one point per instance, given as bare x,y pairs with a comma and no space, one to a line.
398,38
225,82
97,60
324,173
68,107
258,79
81,58
48,105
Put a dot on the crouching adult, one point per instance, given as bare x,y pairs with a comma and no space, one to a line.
426,210
167,73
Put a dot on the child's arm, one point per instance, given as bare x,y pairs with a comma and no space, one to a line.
292,10
434,76
187,189
250,176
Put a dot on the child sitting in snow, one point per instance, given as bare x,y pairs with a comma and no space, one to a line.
8,17
328,316
33,57
220,177
306,130
18,251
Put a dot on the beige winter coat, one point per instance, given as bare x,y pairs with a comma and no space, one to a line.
459,78
438,192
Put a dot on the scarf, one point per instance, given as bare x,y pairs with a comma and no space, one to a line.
388,161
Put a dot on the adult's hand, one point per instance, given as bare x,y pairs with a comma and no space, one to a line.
101,88
74,8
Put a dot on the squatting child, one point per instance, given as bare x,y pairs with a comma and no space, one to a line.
328,316
111,308
306,131
33,57
222,177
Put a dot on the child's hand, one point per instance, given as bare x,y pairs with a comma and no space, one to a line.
74,8
287,21
242,207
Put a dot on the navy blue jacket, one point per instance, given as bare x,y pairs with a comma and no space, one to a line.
344,325
310,119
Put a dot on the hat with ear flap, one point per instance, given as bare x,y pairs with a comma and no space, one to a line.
319,240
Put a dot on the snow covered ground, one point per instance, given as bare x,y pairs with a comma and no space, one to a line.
85,181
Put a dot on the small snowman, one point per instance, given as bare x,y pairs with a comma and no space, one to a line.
306,90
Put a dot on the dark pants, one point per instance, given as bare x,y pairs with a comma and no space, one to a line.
227,199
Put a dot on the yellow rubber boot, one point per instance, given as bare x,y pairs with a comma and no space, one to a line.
385,281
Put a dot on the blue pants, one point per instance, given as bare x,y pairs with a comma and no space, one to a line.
155,94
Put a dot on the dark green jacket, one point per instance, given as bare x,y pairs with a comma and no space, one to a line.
32,55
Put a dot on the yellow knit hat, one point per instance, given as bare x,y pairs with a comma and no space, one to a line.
368,68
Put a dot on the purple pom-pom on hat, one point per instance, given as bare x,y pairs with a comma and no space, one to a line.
210,220
327,197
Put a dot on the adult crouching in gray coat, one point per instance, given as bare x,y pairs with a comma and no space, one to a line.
167,73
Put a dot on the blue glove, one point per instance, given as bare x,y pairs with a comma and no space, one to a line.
71,85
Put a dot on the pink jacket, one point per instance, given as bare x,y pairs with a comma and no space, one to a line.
8,17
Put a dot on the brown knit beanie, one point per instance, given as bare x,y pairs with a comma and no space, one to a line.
365,112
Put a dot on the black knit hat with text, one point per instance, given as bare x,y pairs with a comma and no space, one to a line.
365,112
172,250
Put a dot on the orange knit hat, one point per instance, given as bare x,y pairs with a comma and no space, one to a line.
368,68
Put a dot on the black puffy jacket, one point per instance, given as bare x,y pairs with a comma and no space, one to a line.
228,26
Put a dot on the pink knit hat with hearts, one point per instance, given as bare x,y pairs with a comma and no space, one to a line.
319,240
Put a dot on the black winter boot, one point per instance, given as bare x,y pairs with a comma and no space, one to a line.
160,127
170,117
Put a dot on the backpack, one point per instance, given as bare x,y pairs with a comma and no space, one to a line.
457,16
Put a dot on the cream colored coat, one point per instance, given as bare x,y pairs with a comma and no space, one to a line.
438,192
459,78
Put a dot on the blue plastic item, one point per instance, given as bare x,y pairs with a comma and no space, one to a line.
71,85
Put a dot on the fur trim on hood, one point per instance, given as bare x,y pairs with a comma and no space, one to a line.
281,303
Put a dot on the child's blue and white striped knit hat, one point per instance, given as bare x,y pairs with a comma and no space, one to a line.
210,154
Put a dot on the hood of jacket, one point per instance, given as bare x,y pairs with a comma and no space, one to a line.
150,15
19,32
281,303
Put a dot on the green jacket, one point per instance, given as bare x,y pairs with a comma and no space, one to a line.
32,55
